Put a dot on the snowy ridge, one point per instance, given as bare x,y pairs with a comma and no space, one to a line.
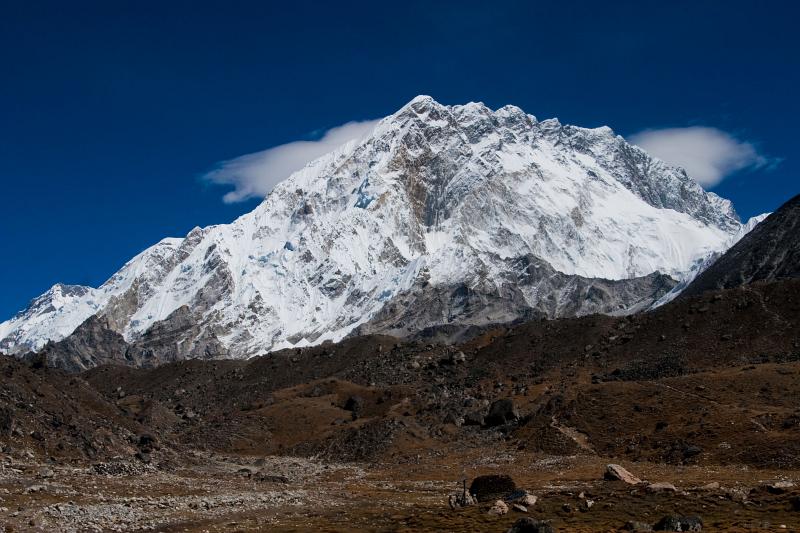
434,195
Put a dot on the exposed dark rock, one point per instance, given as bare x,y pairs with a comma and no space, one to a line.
492,486
679,523
530,525
502,412
769,252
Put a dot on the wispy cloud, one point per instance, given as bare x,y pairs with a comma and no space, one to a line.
707,154
255,175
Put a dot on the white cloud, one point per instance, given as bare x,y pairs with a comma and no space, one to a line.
255,175
707,154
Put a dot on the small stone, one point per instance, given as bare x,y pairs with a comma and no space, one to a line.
520,508
458,357
714,485
498,508
661,487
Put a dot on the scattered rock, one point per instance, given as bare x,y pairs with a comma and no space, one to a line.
46,473
661,487
461,499
501,412
779,487
458,357
736,495
519,508
498,508
354,404
265,477
527,499
679,523
714,485
529,525
454,419
617,473
484,488
120,468
474,418
692,451
147,443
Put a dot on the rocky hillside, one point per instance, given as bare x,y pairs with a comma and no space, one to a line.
613,386
771,251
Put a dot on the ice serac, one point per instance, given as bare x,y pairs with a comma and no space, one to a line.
442,215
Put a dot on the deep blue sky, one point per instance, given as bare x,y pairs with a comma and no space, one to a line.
110,111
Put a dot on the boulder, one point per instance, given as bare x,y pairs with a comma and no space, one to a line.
485,488
779,487
617,473
529,525
679,523
354,404
501,412
498,508
527,499
661,487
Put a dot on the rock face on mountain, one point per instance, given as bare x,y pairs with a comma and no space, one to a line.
769,252
442,215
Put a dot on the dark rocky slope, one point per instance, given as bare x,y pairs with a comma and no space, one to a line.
663,386
770,251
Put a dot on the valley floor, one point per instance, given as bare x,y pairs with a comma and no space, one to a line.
223,493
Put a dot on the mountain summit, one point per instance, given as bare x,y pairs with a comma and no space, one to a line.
441,216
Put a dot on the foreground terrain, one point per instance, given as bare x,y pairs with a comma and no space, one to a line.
222,493
374,433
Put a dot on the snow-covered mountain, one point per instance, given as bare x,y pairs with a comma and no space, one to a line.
441,215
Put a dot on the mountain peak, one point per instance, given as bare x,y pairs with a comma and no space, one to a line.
454,215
